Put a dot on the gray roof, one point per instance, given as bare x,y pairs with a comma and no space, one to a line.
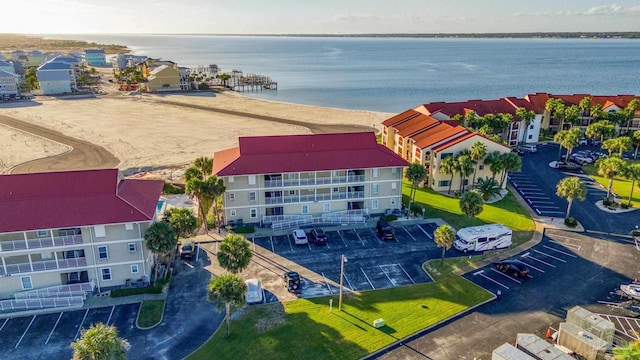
53,65
66,59
5,63
94,51
4,74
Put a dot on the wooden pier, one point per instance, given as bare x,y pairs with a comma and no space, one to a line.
250,82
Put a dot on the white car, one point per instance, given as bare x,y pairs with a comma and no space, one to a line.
254,294
529,148
300,237
631,291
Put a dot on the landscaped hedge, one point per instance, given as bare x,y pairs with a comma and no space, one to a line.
571,222
172,189
246,229
388,217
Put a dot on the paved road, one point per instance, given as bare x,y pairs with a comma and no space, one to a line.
83,155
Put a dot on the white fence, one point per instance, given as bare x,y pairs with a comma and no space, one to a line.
61,291
28,304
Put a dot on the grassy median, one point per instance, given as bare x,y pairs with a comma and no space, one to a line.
150,313
622,187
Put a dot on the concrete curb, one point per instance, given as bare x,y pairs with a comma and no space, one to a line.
164,304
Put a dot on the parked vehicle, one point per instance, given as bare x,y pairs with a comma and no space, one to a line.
583,141
293,282
300,237
518,151
631,291
187,249
483,237
254,294
568,166
579,159
529,148
512,267
318,237
385,230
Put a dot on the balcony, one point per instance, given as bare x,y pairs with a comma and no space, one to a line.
40,243
313,198
314,181
43,265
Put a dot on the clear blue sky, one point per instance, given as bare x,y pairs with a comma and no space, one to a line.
315,16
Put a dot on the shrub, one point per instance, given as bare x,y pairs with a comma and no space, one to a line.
203,86
624,205
571,222
246,229
390,217
607,202
171,189
211,221
416,209
635,233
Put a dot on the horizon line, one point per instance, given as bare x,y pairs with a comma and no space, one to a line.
395,34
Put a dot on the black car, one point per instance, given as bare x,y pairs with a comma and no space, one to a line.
568,166
318,237
187,250
512,267
292,281
518,151
385,230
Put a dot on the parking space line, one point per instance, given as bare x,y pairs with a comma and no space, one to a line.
539,197
25,332
327,243
561,252
406,273
110,314
551,256
349,282
308,245
538,260
573,246
505,275
253,240
359,238
531,266
407,231
495,281
541,202
4,323
271,241
365,275
425,232
387,275
82,322
552,212
54,328
547,207
326,282
342,238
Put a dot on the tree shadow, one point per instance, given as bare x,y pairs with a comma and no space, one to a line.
19,104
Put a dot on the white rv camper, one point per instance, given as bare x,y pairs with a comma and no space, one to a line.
482,238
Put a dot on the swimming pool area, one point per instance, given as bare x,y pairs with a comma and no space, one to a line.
160,206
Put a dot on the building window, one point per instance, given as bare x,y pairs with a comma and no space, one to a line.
376,173
252,196
252,179
305,209
128,226
232,196
232,213
445,155
530,137
444,183
394,186
374,204
134,269
392,201
42,233
132,247
46,255
100,231
231,179
103,253
253,213
336,189
375,188
106,274
26,282
531,127
326,207
292,192
465,182
394,170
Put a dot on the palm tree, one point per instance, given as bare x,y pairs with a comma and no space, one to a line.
465,168
205,165
471,204
555,107
160,239
559,137
444,236
183,221
630,111
227,290
512,162
571,188
623,143
584,106
526,116
193,172
488,187
99,342
600,129
610,168
630,351
449,166
416,173
572,115
478,152
636,142
496,165
234,253
632,172
570,140
597,112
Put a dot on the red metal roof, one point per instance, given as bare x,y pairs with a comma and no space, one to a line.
74,198
297,153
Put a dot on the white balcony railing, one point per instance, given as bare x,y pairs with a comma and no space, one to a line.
314,181
312,198
39,243
43,265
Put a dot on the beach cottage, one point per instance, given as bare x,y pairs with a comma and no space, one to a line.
64,233
7,67
9,86
163,78
56,78
294,180
95,57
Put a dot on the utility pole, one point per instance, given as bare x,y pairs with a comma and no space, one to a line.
343,259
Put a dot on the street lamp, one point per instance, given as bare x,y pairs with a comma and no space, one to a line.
343,259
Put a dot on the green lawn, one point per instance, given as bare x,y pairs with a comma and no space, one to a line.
305,329
622,187
506,211
150,313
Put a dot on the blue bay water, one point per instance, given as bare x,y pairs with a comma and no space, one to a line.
395,74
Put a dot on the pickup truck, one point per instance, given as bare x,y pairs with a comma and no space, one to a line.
187,249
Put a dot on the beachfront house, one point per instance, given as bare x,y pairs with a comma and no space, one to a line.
9,88
122,61
79,230
19,56
56,78
95,57
35,59
7,67
294,180
163,78
421,138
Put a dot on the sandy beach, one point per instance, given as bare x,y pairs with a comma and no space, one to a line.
155,131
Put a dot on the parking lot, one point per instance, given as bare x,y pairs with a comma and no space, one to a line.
371,263
49,336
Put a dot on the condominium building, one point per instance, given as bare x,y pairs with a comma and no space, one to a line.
74,227
292,180
95,57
